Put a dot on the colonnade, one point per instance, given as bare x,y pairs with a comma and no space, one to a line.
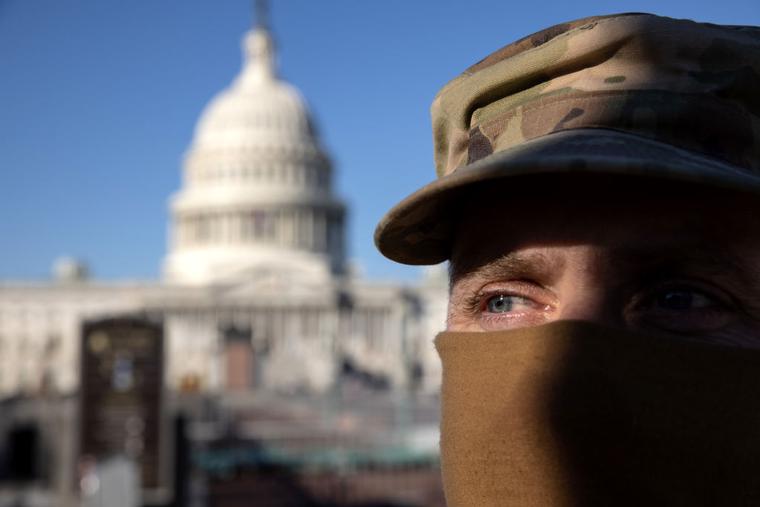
307,228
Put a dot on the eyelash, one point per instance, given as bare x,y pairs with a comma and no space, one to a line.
721,308
718,297
476,304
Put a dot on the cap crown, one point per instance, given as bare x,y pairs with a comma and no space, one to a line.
692,85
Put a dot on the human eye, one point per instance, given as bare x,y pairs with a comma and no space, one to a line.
505,303
683,308
508,306
683,300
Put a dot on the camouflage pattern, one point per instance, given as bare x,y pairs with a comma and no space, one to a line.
623,94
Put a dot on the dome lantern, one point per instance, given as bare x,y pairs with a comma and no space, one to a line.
259,51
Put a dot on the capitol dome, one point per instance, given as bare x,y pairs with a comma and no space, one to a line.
258,109
257,186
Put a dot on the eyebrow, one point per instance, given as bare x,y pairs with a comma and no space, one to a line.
534,264
717,261
734,270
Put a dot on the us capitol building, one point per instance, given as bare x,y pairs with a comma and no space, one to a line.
256,293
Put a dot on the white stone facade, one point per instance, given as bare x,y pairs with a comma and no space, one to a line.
255,291
300,336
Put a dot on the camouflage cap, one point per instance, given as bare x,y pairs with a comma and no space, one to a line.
629,94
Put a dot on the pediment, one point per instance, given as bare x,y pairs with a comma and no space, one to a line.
270,283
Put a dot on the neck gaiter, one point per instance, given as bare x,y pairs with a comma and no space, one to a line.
573,414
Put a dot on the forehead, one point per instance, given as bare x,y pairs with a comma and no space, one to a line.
625,218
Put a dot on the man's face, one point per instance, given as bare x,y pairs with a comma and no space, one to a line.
684,264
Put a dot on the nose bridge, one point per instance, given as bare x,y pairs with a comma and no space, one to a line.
585,302
585,292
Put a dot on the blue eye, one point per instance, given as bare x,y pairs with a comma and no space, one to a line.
501,304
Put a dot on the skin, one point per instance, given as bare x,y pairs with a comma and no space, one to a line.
679,261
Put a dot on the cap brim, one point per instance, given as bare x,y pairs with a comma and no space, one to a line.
418,230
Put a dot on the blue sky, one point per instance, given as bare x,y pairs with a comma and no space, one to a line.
98,100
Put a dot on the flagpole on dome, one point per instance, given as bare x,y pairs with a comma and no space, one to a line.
261,21
259,47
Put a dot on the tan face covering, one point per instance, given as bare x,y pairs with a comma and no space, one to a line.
572,414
